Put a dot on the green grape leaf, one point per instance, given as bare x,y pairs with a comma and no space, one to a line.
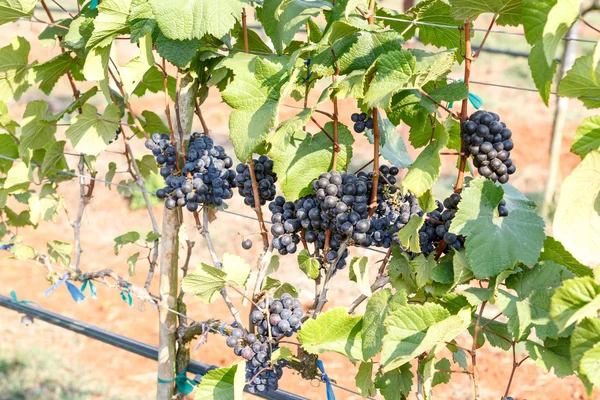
391,145
60,252
589,365
237,270
110,174
133,72
131,261
83,98
495,333
193,19
253,115
177,52
559,20
475,296
395,384
8,147
90,133
579,82
409,234
531,306
22,252
577,299
294,14
442,372
495,244
364,379
309,265
18,178
110,22
14,69
95,68
141,19
80,31
585,336
542,72
54,155
461,268
413,329
205,282
359,273
425,171
282,353
535,16
401,70
222,383
280,287
435,12
49,72
147,166
508,11
12,10
546,357
284,132
460,357
153,81
356,52
400,271
36,132
577,218
127,238
554,251
587,137
378,307
307,156
334,331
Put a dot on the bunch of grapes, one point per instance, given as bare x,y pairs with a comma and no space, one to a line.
286,227
206,177
437,225
262,374
489,142
391,215
284,317
361,121
265,178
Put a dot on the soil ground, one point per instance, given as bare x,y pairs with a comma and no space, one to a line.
108,215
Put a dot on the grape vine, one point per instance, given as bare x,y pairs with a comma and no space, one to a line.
304,106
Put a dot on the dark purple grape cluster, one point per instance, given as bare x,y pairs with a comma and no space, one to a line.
340,204
361,122
262,374
284,316
437,225
206,176
489,142
265,178
392,214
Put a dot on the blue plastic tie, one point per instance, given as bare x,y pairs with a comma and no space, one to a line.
234,324
73,290
325,378
92,288
222,327
94,4
13,295
7,246
475,100
184,384
126,296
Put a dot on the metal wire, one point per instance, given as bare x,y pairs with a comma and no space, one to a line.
566,38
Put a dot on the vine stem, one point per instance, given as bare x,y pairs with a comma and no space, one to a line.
465,105
487,33
322,299
119,83
167,100
474,372
376,134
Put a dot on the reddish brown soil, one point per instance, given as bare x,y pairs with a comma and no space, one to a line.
108,216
